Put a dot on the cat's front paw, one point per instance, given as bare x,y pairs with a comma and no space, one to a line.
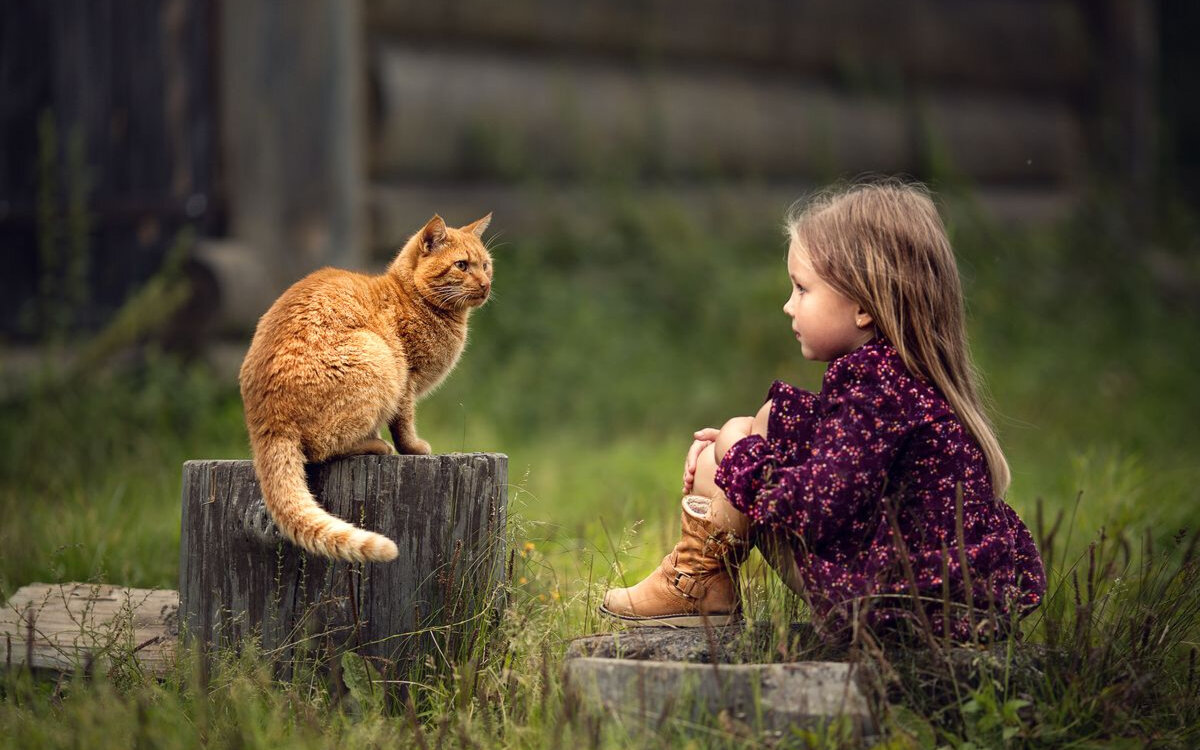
418,447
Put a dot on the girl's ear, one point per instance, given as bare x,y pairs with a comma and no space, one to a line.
863,319
433,234
478,227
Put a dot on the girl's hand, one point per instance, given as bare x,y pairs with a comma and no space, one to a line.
704,437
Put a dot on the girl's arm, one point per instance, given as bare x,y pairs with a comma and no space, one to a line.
734,430
854,440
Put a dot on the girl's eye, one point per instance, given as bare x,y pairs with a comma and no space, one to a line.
460,265
799,289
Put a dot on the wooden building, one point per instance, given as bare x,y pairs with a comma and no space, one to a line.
291,134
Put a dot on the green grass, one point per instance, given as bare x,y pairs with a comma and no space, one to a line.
590,369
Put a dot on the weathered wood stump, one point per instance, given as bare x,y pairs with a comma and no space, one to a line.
766,700
730,676
240,579
730,644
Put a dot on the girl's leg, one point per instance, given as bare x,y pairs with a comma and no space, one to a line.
706,470
695,584
775,547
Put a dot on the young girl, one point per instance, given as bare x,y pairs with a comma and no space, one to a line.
878,499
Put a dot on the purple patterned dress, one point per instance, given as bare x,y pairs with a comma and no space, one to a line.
877,449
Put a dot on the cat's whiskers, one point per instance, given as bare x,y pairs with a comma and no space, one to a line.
452,296
446,293
491,242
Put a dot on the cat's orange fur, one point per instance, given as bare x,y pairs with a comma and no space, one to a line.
341,354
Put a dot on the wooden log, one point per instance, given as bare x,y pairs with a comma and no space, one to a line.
481,115
731,207
291,83
65,627
231,287
1018,46
239,578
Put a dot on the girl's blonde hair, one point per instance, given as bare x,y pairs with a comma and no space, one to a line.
883,245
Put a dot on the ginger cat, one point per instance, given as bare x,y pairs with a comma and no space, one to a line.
341,354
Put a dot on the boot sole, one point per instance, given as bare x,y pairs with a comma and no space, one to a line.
673,621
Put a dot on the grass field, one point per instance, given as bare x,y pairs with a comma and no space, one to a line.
590,369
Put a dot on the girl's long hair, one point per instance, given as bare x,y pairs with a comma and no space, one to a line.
883,245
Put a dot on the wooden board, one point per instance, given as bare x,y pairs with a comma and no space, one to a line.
239,579
471,115
70,626
1023,46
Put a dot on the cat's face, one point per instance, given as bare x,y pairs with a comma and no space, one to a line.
453,269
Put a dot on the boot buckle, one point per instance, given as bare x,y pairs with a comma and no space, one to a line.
721,544
692,588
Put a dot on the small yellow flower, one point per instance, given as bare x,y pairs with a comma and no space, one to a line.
522,580
529,546
555,595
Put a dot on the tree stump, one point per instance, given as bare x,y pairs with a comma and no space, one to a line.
755,679
240,579
765,701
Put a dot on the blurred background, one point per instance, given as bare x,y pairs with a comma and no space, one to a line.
167,167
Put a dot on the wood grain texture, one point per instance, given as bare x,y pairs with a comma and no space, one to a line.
65,627
239,578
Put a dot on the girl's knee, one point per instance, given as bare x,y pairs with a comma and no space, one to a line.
733,431
739,426
706,472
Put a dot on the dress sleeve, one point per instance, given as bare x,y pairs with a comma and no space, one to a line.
854,441
790,422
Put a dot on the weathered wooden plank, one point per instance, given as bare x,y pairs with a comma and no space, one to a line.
1019,46
70,626
239,579
480,115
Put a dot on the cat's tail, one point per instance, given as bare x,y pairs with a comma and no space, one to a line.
279,464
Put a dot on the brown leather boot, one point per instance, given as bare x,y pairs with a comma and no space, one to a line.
695,585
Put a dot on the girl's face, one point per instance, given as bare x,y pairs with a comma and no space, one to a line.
826,323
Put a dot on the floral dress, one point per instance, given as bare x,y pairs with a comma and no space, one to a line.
876,452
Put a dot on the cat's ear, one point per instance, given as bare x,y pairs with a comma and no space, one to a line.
478,227
433,234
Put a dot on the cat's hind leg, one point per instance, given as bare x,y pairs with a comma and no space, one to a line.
370,446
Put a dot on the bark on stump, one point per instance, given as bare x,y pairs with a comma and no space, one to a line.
239,578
